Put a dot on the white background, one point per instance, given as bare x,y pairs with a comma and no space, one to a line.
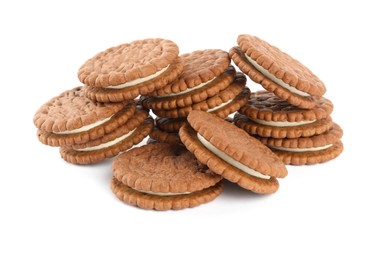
54,210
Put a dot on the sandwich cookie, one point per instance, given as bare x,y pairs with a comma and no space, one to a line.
267,115
232,153
124,137
163,176
203,69
128,70
307,150
277,72
222,104
205,74
71,118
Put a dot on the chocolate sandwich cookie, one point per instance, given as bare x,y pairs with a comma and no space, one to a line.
307,150
222,104
170,125
203,69
132,132
71,118
232,153
163,176
267,115
277,72
128,70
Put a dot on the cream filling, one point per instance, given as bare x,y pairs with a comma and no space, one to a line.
270,76
300,150
220,106
163,193
230,160
281,124
139,81
190,89
84,128
105,145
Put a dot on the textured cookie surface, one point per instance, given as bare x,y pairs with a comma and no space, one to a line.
128,62
199,67
265,105
264,186
71,110
239,58
305,130
171,125
280,64
236,143
164,137
163,168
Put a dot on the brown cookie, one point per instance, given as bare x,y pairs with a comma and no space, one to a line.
222,104
191,95
277,72
308,150
279,131
232,153
71,118
200,67
164,137
110,145
128,70
170,125
163,176
265,106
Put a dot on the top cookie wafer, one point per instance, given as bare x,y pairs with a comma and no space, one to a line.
128,62
200,67
72,110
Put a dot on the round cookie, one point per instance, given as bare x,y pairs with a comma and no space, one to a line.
192,95
277,72
110,145
308,150
71,118
128,70
267,115
232,153
222,104
163,176
200,68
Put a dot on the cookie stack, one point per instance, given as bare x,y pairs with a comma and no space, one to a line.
292,117
207,83
102,118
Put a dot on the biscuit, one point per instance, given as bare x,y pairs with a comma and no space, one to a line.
163,176
222,104
71,118
308,150
200,68
232,153
128,70
277,72
192,95
267,115
110,145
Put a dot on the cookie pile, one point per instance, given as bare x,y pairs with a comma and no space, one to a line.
208,83
292,117
102,118
193,144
